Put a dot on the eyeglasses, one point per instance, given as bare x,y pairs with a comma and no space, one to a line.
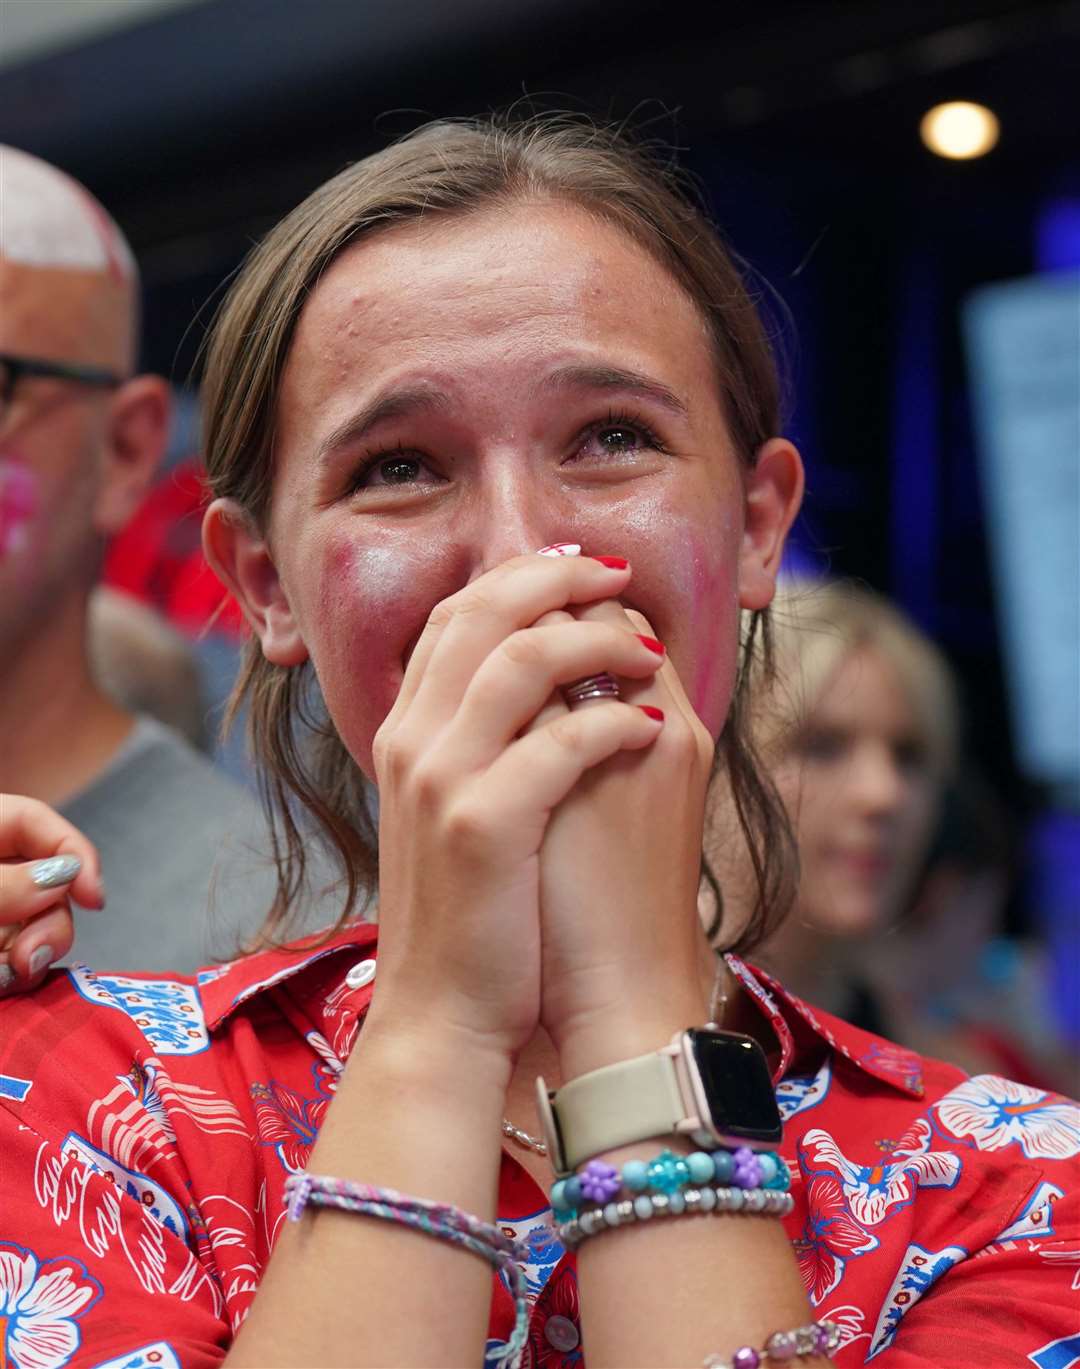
12,370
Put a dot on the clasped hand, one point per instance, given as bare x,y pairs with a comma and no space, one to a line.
539,865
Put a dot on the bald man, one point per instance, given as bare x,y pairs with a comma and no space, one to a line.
81,436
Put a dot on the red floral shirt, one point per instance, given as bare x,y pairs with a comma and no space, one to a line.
147,1127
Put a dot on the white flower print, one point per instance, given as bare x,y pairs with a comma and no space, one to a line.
40,1303
872,1190
996,1112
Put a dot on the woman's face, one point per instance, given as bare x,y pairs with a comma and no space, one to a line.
460,392
862,794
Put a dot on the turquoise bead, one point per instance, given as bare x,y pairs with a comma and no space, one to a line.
558,1195
676,1204
769,1169
643,1207
572,1192
700,1166
724,1164
635,1176
781,1180
668,1172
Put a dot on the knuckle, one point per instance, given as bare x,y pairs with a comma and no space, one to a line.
391,756
475,602
443,612
427,786
522,649
565,732
468,826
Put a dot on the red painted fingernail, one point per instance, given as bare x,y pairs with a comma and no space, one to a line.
651,643
612,562
657,714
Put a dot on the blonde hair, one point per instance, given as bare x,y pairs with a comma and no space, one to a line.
816,626
452,169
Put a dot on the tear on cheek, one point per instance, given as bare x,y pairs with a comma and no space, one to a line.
19,501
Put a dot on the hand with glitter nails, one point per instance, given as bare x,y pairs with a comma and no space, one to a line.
46,864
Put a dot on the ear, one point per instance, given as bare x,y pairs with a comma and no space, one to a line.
774,491
136,431
241,558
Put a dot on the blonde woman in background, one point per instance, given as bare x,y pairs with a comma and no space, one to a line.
859,733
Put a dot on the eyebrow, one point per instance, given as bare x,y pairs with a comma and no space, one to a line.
391,403
614,378
403,403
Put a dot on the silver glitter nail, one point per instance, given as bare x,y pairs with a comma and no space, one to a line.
7,977
41,959
55,872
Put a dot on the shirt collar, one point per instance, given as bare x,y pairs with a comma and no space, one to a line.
224,988
806,1035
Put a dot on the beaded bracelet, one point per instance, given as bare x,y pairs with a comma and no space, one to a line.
599,1182
685,1202
440,1220
817,1338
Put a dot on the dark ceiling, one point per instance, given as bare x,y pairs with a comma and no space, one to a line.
159,117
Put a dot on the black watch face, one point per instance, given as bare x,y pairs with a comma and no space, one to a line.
737,1084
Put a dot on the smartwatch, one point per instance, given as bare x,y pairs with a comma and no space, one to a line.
709,1084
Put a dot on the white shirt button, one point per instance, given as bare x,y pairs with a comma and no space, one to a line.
362,973
561,1334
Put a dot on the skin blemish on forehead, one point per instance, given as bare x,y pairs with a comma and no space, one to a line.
18,504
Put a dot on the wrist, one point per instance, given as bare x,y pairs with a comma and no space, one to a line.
415,1056
618,1033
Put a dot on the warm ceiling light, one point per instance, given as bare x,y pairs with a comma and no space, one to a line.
960,130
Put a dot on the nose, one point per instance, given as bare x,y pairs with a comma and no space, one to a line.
512,512
879,783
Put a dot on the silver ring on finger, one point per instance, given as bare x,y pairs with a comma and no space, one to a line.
602,686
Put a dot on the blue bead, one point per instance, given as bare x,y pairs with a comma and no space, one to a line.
572,1192
643,1207
700,1166
676,1204
769,1169
724,1164
667,1173
635,1175
558,1194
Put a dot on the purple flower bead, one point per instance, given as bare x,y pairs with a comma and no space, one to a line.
747,1168
746,1357
599,1182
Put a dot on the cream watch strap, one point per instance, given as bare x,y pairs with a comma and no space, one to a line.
633,1100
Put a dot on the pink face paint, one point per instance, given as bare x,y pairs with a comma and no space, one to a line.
18,504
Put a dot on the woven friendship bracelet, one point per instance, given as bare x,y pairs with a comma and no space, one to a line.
440,1220
685,1203
817,1338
